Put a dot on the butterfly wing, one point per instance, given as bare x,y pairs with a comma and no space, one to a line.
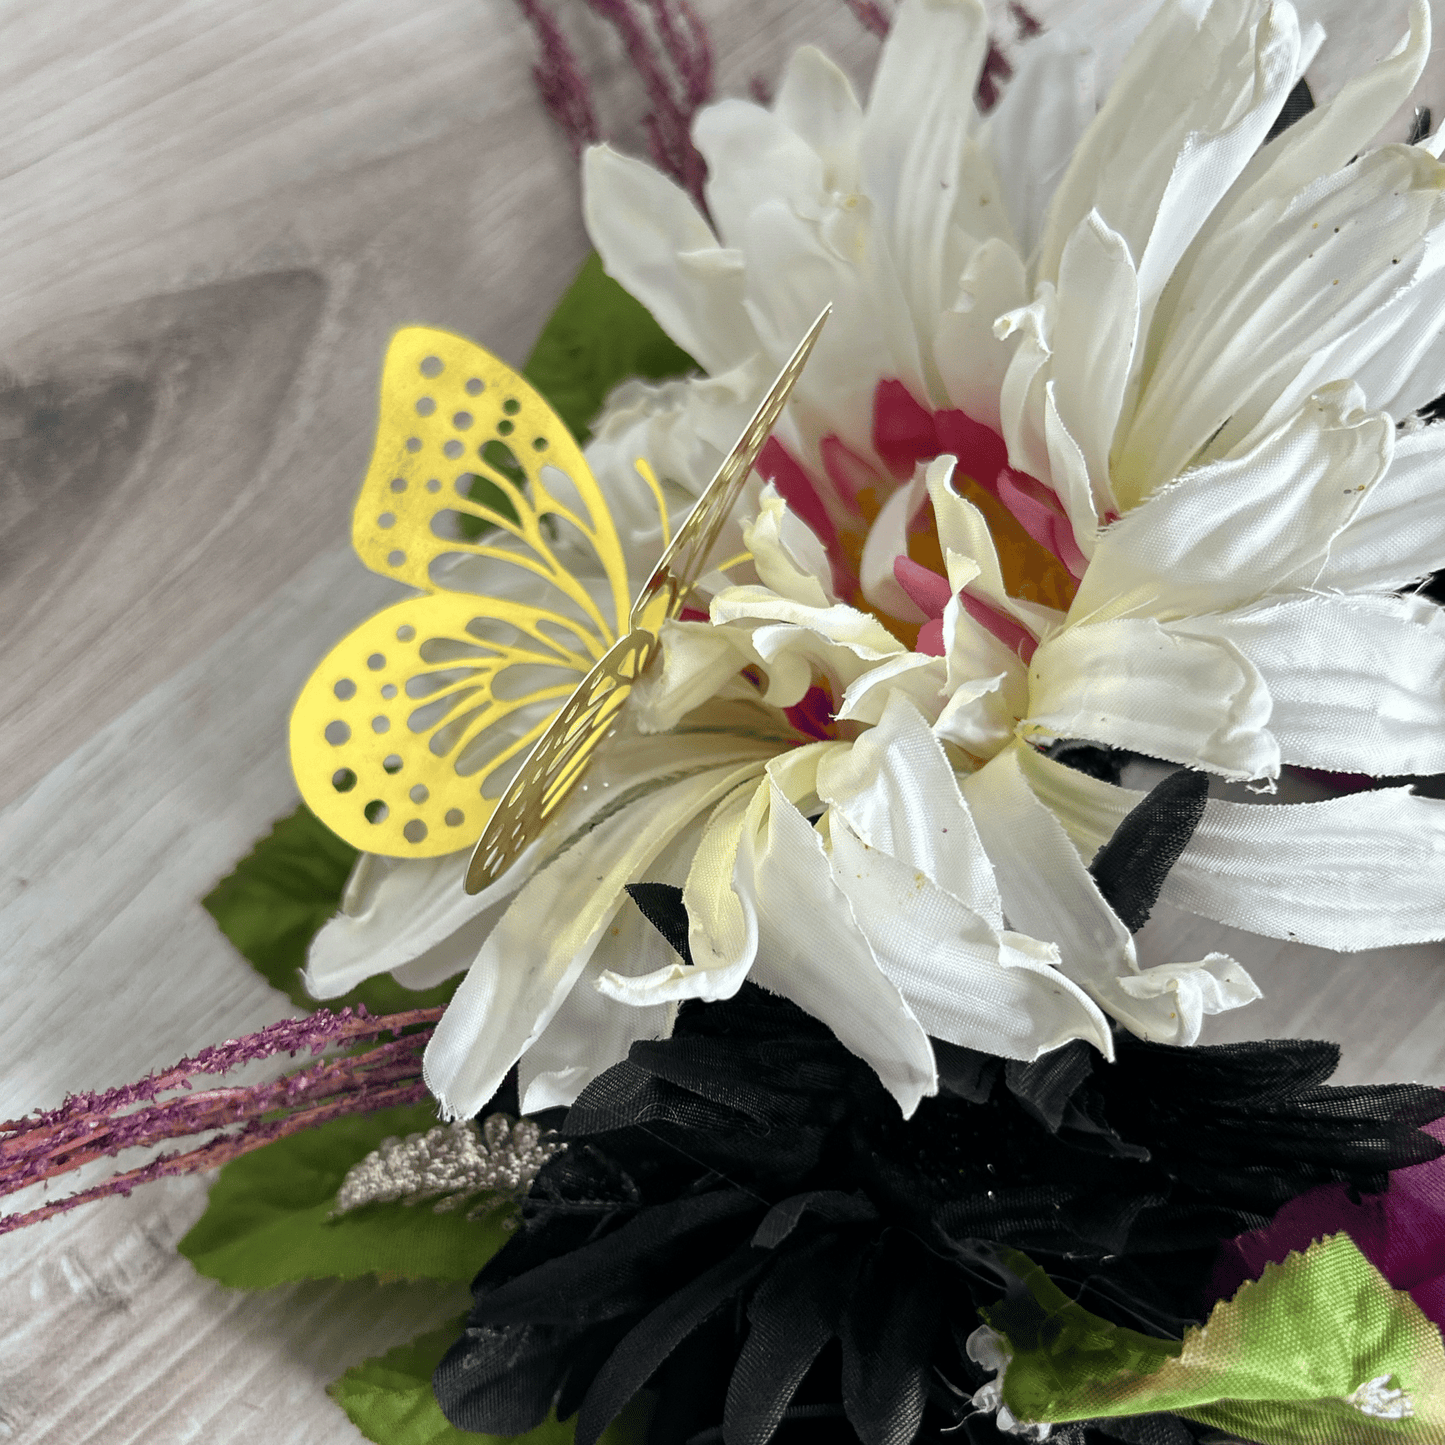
559,759
471,462
685,559
407,733
564,750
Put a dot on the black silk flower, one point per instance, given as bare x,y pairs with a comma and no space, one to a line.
744,1226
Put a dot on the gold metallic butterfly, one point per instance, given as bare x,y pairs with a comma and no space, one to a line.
403,736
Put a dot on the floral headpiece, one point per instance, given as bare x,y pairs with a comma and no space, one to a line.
1091,537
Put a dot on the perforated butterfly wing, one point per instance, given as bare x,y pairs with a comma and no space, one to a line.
408,730
683,562
567,746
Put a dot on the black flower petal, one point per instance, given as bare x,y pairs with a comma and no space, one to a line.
743,1225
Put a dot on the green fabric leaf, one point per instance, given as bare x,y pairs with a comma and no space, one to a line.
277,898
266,1221
597,337
1290,1360
390,1400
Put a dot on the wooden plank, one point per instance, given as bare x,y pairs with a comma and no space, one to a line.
213,214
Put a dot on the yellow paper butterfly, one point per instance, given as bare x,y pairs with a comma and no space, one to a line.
402,738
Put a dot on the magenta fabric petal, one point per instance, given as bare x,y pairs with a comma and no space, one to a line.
928,590
1401,1232
1010,633
903,431
778,466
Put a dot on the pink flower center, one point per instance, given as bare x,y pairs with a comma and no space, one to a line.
1037,552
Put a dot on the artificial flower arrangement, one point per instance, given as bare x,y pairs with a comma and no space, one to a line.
768,941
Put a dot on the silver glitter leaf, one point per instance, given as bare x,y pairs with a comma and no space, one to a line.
450,1164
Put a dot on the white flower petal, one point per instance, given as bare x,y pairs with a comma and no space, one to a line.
1398,360
971,360
916,86
1263,321
589,1032
811,950
1068,474
788,557
1210,159
975,657
1148,688
722,929
1094,332
915,136
537,952
1212,985
1230,532
1021,395
452,955
1324,141
887,541
404,910
795,268
1397,535
1194,99
1362,871
963,530
1048,893
644,225
898,793
754,156
792,640
1046,108
1358,684
683,427
915,675
1063,391
965,983
698,659
979,717
816,100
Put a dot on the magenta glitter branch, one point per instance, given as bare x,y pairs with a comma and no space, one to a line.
88,1126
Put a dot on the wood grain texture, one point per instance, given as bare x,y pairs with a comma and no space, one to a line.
108,1334
213,214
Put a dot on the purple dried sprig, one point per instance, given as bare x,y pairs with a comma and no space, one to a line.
88,1126
564,88
28,1157
870,15
667,44
689,56
1026,24
996,71
222,1150
312,1034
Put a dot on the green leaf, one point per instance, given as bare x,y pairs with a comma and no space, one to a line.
598,336
390,1400
266,1222
277,898
1289,1360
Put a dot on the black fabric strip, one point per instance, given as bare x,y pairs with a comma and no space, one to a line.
644,1348
1131,867
792,1315
1297,104
661,905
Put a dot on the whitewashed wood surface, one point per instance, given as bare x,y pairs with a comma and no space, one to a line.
212,214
